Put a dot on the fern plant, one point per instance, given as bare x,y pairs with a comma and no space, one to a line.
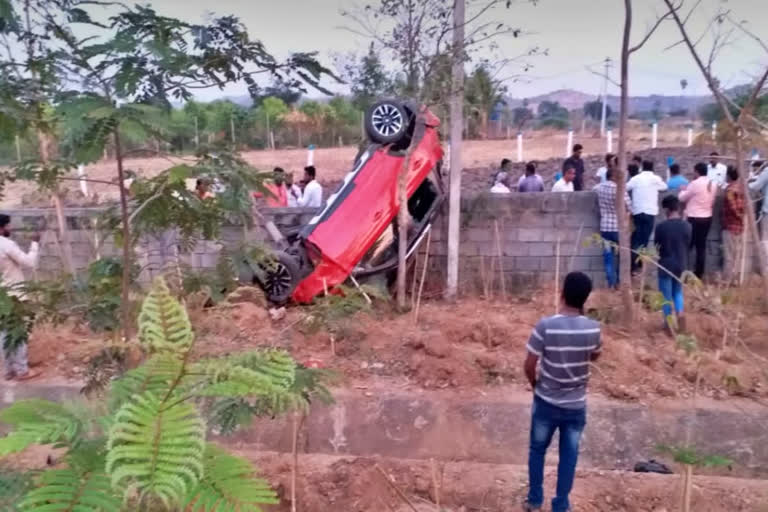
150,449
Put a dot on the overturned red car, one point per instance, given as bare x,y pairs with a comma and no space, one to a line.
355,233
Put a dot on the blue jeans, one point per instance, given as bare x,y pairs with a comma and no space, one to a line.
672,291
545,419
611,257
641,235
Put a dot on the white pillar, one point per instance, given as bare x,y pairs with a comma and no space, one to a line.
447,157
690,137
83,183
569,145
714,131
654,135
311,155
609,141
519,146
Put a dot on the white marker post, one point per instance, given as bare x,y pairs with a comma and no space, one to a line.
690,137
569,145
609,141
654,135
82,178
447,158
519,146
714,131
311,155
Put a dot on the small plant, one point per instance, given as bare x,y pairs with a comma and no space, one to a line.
329,311
16,317
689,458
145,447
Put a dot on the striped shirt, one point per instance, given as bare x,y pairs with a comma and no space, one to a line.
564,345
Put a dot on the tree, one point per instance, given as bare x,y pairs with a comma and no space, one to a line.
711,113
551,113
521,116
740,123
483,93
146,448
125,73
368,80
594,109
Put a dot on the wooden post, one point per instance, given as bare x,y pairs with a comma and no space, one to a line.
232,129
18,149
457,130
197,135
557,276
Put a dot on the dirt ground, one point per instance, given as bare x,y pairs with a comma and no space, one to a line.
328,483
475,345
333,163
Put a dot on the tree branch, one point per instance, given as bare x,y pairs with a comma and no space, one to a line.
649,33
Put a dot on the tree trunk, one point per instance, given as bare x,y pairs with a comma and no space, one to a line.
457,118
125,307
402,230
625,276
66,246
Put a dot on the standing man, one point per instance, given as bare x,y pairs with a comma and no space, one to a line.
506,166
733,225
609,227
676,180
576,163
760,185
673,237
293,191
645,188
610,164
716,170
699,198
278,196
566,183
531,182
312,196
564,345
12,261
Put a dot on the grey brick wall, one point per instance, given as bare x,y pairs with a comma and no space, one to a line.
530,229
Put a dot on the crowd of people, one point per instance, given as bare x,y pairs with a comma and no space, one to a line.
688,206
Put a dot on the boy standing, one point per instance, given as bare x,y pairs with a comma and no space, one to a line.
673,236
564,345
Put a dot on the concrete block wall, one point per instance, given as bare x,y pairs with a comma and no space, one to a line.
524,232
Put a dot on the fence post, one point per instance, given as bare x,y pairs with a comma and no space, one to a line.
311,155
519,146
569,144
18,149
197,135
654,134
83,183
609,141
714,131
690,137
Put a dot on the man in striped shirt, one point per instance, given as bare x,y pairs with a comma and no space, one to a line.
562,346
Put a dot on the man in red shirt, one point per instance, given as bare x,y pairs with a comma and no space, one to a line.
278,196
733,225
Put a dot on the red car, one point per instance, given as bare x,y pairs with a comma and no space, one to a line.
355,234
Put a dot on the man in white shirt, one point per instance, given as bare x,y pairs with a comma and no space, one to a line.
501,186
565,184
294,192
645,188
716,171
312,196
12,261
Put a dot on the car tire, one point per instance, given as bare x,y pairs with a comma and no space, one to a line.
280,278
387,122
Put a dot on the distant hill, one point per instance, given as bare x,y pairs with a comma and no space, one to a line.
575,100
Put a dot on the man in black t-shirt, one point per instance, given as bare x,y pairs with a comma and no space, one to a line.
576,162
673,237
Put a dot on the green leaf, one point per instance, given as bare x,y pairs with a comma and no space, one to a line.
37,422
163,322
155,376
230,483
156,448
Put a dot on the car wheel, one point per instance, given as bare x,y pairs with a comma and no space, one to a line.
280,278
387,122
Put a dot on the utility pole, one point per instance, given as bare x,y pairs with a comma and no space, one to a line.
454,198
197,135
605,96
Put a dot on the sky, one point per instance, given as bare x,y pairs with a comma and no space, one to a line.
576,34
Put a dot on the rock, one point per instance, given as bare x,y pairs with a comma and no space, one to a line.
665,390
276,314
421,485
487,362
415,344
435,349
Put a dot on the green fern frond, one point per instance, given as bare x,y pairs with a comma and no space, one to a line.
13,486
154,376
163,322
37,422
71,490
230,484
276,365
156,448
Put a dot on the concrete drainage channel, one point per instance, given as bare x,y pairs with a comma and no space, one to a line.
480,429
